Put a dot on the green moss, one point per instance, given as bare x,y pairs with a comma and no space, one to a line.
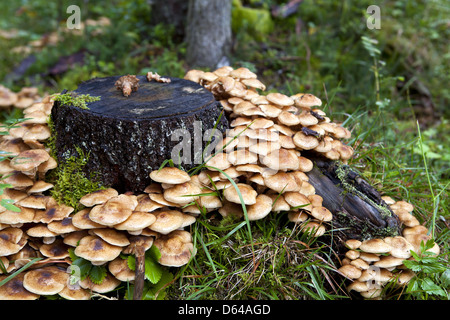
76,100
70,181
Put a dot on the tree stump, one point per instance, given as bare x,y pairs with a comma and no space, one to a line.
126,138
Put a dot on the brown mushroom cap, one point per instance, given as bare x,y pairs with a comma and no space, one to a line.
114,237
176,248
14,289
400,247
45,281
137,221
281,160
75,293
56,250
81,220
260,209
95,249
375,246
247,192
306,100
167,221
29,159
108,284
114,211
350,271
98,197
298,201
279,99
119,269
182,193
281,182
171,175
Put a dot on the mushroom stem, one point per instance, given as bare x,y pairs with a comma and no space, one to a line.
139,273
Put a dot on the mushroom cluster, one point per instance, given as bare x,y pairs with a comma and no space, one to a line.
263,152
108,224
373,263
258,167
22,99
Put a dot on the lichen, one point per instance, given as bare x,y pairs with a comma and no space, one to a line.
75,99
342,173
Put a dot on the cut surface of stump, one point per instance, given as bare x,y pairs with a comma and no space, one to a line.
126,138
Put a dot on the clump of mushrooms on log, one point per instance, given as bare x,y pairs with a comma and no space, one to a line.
265,153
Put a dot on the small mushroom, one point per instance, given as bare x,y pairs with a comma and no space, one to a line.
127,84
246,191
98,197
95,249
176,248
45,281
114,211
14,289
170,175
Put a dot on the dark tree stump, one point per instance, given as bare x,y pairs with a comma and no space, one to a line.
128,137
357,207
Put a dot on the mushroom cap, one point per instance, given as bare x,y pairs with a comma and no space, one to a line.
313,228
375,246
40,186
29,159
242,156
56,250
350,271
95,249
353,244
305,142
182,193
176,248
98,197
62,226
388,262
297,200
25,215
297,216
242,73
75,293
261,208
218,161
281,182
321,214
279,99
306,100
247,192
53,212
114,211
14,289
171,175
119,269
112,236
167,221
45,281
141,241
400,247
82,220
108,284
281,159
137,221
146,204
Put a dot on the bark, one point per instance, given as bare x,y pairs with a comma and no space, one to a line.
128,137
208,33
357,207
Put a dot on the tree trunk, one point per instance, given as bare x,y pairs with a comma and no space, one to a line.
208,33
126,138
